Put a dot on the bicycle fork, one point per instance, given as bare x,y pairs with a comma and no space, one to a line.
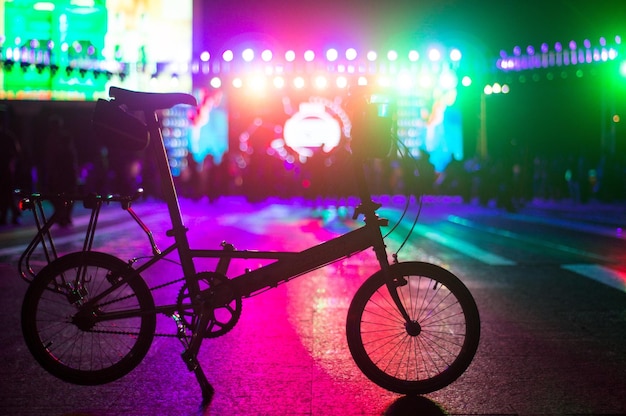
381,255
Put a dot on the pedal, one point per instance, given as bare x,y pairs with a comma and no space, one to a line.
180,330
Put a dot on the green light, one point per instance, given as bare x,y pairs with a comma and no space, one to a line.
44,6
622,69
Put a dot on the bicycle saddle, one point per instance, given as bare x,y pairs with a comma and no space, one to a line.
136,100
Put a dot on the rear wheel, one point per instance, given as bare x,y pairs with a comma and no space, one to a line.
431,350
80,340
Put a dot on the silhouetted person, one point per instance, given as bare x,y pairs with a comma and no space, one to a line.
9,157
426,175
61,167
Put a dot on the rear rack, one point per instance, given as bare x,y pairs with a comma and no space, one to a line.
34,202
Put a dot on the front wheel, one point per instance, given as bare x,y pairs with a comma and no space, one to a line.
428,352
88,318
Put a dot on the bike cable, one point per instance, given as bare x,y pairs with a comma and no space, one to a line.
405,154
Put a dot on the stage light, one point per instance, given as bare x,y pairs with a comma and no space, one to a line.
216,82
309,55
332,55
425,80
487,90
362,81
414,56
228,55
237,82
351,54
247,55
257,83
342,82
622,68
298,82
405,81
496,88
447,80
466,81
372,56
205,56
266,55
392,55
434,54
279,82
290,56
455,55
321,82
44,6
383,81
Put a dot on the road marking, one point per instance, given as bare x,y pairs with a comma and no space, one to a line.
464,247
508,234
602,274
616,232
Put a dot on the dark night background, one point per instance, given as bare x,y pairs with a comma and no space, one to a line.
548,118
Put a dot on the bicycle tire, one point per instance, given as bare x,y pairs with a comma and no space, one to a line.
428,354
53,314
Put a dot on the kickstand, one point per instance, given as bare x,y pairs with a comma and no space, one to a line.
190,358
207,389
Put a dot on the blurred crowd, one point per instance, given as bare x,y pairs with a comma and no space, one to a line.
54,164
502,182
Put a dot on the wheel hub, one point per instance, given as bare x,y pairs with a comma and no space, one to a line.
413,328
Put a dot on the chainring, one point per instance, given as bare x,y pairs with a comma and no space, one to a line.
223,317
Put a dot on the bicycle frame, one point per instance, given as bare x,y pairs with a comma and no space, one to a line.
287,265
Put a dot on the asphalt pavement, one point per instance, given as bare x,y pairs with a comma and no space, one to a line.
553,332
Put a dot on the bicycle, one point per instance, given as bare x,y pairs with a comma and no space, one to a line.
89,317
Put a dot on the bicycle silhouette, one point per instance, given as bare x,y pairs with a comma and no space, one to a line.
89,317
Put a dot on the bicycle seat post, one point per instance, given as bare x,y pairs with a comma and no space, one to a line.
178,231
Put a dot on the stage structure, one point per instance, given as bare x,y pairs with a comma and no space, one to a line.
291,103
75,49
576,89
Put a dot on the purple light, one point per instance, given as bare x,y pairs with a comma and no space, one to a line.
544,48
517,51
572,44
530,50
587,43
351,54
558,47
266,55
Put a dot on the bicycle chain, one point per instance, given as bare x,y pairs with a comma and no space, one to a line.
156,334
151,289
